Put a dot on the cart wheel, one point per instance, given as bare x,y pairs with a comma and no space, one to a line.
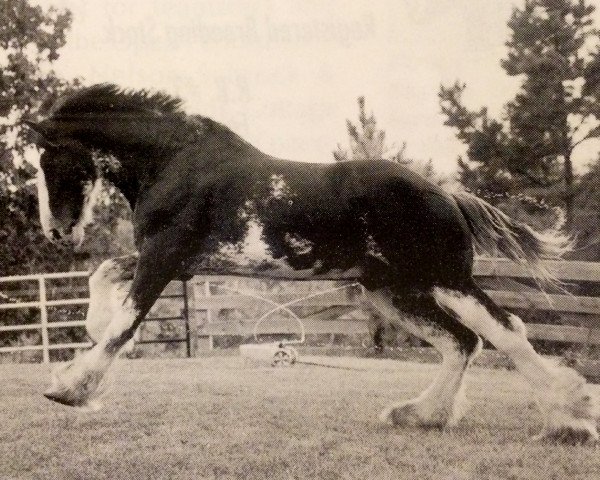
293,354
282,358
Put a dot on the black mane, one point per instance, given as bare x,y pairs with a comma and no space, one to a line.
106,97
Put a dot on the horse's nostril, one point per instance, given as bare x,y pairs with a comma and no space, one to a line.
55,234
69,229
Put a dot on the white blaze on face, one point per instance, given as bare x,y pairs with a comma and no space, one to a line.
47,221
90,198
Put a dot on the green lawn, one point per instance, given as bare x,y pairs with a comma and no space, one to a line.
220,417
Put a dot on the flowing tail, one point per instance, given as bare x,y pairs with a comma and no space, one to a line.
494,231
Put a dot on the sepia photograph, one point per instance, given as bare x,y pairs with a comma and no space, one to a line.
300,240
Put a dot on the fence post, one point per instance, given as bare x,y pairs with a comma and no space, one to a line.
44,320
186,316
211,344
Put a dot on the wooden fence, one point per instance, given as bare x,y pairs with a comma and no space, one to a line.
578,317
231,306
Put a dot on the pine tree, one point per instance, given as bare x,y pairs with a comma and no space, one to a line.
367,142
554,47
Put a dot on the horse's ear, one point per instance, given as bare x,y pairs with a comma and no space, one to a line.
42,134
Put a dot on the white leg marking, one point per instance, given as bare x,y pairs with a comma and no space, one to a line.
442,403
110,315
77,383
568,405
107,296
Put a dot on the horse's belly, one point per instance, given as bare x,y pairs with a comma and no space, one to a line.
252,258
276,273
267,267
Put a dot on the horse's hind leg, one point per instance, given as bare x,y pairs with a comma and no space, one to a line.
441,404
569,408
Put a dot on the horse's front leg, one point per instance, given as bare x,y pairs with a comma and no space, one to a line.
118,316
109,287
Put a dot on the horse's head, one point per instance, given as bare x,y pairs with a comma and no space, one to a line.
68,185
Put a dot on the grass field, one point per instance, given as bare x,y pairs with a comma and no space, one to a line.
220,417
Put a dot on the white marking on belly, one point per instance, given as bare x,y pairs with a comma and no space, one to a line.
250,250
374,250
252,257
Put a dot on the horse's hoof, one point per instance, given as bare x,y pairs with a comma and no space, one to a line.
410,414
68,398
92,405
570,435
74,390
404,415
60,398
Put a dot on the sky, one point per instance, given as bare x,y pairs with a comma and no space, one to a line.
285,75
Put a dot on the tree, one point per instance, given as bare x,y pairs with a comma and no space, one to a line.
587,214
367,142
555,48
30,39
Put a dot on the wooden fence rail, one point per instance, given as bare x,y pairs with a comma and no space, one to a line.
226,306
338,313
564,270
579,315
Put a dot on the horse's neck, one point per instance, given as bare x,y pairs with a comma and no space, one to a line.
125,177
136,135
145,146
142,146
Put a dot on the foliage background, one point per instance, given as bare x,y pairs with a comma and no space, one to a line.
30,41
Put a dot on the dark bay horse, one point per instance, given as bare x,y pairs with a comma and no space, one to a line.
206,201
